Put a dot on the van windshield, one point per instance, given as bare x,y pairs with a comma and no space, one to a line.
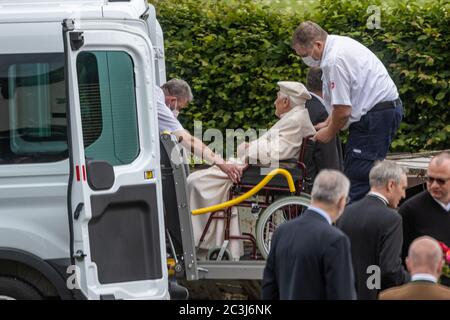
33,126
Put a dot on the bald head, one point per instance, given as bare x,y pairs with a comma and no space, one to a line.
425,256
441,158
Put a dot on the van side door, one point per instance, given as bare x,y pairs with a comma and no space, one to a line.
115,199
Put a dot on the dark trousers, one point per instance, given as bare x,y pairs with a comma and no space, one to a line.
369,140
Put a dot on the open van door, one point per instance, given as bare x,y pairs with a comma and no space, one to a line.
115,199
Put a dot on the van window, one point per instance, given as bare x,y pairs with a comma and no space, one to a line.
106,88
32,108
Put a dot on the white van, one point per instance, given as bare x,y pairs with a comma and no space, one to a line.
80,178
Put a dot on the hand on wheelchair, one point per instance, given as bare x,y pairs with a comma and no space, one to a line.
233,171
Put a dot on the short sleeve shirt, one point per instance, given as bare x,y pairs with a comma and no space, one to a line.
353,75
166,119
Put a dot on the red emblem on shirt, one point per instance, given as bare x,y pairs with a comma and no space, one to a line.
332,85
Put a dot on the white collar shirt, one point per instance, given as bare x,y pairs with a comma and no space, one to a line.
353,75
423,277
379,196
322,213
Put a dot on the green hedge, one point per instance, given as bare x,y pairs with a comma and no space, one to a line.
234,52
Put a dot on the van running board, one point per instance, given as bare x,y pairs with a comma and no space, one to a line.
242,270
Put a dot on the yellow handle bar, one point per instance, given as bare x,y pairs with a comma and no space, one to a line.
249,193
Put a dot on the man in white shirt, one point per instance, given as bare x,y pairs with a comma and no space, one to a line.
358,93
175,95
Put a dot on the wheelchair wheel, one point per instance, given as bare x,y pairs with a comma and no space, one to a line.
213,254
276,214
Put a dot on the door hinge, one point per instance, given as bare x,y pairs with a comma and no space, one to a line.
78,209
79,255
76,40
68,25
159,53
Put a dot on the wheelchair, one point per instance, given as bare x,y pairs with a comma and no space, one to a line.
272,205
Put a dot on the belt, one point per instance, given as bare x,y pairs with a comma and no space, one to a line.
385,105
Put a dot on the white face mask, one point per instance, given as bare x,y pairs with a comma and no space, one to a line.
174,109
310,61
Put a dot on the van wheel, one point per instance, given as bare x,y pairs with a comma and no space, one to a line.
15,289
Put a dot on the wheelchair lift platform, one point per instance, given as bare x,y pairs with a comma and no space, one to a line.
179,232
244,270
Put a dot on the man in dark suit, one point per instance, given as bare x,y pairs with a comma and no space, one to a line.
325,155
375,231
309,258
425,263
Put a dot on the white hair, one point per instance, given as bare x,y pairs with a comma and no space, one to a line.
330,186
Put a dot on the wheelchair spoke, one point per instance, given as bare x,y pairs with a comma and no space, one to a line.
276,214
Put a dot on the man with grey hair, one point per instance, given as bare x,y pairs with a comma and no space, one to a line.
375,231
425,263
309,258
428,213
175,95
178,95
359,94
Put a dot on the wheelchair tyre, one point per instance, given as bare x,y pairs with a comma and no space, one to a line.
276,214
214,253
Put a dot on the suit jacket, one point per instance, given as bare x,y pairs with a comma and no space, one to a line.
417,290
375,233
309,259
325,155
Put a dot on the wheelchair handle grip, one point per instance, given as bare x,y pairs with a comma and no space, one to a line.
249,193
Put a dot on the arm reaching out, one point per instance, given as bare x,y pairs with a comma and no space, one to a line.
233,171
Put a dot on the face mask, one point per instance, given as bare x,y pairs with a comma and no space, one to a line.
174,107
175,113
310,61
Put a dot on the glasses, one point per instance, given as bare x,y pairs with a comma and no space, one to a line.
439,181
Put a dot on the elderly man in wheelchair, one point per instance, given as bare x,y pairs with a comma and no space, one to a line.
216,229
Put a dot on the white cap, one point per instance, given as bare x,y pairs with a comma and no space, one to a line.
296,90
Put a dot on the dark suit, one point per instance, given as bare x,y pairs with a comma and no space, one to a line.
325,155
375,233
309,259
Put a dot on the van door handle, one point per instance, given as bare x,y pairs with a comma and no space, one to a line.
78,209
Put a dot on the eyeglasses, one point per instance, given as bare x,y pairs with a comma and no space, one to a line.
439,181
